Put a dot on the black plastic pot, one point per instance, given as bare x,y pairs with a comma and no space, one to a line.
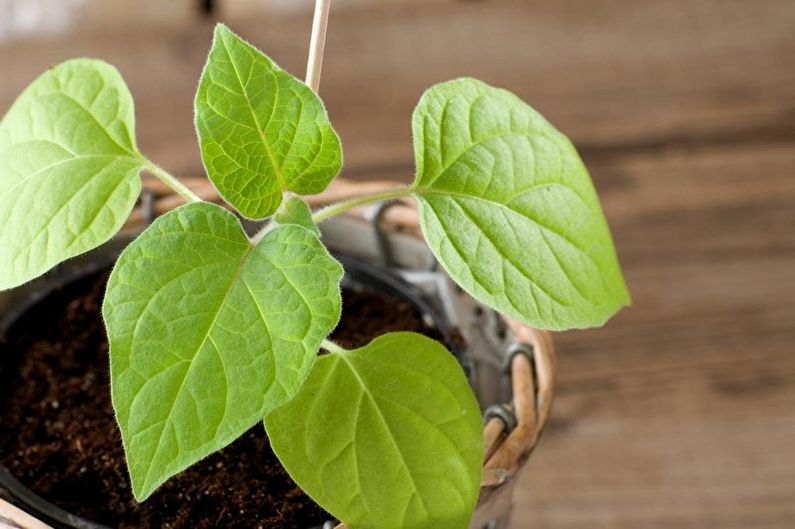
358,275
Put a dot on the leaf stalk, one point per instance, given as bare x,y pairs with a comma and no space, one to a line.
331,347
359,201
172,182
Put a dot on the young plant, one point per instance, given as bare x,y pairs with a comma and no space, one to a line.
212,331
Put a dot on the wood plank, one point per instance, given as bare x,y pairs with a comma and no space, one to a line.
616,75
681,411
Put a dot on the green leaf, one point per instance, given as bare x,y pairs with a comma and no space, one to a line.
508,208
208,333
385,436
68,168
296,211
261,130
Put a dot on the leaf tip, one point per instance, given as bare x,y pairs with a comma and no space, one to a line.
139,495
221,29
141,491
626,296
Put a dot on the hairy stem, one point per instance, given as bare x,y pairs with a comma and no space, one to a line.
361,200
180,188
266,228
331,347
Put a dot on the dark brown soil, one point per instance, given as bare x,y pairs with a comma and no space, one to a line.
59,437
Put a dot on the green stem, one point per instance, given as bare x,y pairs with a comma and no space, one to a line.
341,207
362,200
331,347
269,226
180,188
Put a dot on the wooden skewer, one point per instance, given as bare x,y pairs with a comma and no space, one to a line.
317,44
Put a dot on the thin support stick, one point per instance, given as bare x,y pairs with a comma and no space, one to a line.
317,44
180,188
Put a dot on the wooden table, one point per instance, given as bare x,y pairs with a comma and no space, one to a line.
681,412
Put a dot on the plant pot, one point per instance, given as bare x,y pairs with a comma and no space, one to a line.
400,265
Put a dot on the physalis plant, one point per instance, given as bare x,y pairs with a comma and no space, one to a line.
212,331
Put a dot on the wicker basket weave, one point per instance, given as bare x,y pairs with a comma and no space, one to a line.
511,430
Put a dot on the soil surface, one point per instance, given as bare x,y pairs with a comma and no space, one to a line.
59,437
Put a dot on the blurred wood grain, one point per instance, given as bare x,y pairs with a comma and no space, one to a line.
681,412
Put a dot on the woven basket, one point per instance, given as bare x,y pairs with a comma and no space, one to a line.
511,430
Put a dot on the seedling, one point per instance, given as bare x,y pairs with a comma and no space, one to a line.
212,331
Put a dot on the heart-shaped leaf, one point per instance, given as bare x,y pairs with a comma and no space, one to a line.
261,130
509,209
388,436
208,333
68,168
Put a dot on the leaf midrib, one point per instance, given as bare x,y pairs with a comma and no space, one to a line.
130,151
495,136
78,157
535,282
277,171
232,283
458,194
45,227
366,391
